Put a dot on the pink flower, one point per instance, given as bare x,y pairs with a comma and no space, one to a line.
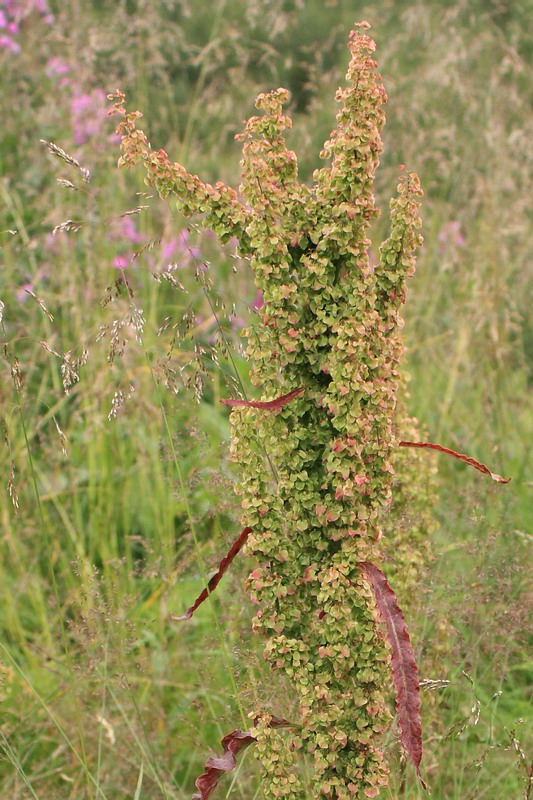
114,138
121,262
22,292
451,235
89,114
181,245
9,44
258,301
128,229
169,249
183,238
53,243
57,66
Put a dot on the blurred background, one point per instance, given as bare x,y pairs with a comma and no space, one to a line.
115,485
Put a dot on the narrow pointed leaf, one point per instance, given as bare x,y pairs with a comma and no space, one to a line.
269,405
215,580
461,456
404,667
232,744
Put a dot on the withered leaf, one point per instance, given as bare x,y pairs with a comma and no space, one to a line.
404,667
269,405
232,744
461,456
215,580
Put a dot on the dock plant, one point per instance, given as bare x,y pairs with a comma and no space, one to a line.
314,455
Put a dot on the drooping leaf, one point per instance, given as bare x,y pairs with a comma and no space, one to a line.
461,456
215,580
269,405
232,744
404,667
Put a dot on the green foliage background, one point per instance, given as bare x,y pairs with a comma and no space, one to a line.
101,692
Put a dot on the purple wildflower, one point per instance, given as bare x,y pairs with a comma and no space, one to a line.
181,245
451,235
169,249
182,240
22,292
121,262
129,230
57,66
53,244
258,301
89,114
13,12
7,43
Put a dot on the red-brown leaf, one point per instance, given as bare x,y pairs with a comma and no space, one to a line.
232,744
404,667
269,405
461,456
215,580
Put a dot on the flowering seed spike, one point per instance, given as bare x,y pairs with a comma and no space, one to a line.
328,319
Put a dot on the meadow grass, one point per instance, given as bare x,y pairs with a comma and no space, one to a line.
117,493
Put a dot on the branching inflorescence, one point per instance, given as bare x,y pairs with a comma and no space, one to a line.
315,454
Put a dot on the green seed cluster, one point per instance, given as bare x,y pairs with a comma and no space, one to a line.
316,475
407,527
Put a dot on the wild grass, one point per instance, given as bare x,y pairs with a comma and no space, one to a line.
111,521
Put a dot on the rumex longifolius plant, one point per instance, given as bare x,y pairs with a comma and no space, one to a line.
314,455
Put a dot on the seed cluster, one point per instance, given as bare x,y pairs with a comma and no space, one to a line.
317,474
